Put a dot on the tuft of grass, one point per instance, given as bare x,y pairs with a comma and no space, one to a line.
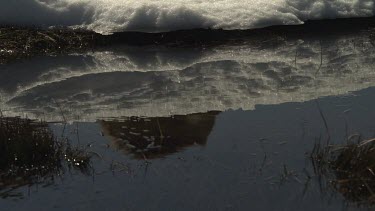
348,168
31,154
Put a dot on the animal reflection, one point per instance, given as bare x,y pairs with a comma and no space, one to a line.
155,137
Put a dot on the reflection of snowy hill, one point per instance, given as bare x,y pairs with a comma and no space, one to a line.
159,81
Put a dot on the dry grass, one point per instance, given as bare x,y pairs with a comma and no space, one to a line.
31,154
21,42
18,42
348,169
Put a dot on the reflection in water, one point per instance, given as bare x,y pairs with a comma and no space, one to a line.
155,137
173,87
348,169
249,158
31,154
163,81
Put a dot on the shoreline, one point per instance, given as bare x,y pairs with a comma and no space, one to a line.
207,36
17,43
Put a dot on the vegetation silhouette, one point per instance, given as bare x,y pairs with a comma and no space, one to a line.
348,169
30,154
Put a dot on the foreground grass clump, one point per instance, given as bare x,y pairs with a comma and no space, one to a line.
349,169
18,43
30,154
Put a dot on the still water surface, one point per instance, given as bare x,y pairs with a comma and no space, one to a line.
219,127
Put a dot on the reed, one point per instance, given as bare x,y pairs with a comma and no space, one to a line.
348,168
31,154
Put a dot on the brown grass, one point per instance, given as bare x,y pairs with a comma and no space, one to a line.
31,154
19,43
348,169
